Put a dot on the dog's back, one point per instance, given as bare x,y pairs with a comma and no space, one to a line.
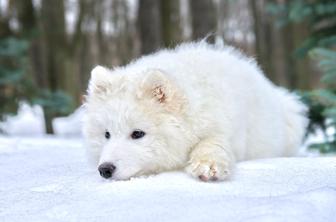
231,94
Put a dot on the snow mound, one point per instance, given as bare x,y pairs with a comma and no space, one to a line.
69,126
49,180
29,121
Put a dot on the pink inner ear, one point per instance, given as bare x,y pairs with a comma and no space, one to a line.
100,89
159,94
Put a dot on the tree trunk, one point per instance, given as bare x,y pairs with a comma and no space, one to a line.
263,31
171,22
223,8
296,71
26,16
203,20
289,62
124,31
303,69
102,49
53,24
149,24
54,35
29,28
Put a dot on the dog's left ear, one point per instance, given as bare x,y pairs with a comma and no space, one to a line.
99,81
158,87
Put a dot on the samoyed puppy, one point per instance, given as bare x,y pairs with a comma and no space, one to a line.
197,107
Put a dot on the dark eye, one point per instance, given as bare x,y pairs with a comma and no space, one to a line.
137,134
107,135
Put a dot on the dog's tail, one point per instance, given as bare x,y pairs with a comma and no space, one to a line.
296,122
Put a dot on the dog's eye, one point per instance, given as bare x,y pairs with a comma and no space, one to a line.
137,134
107,135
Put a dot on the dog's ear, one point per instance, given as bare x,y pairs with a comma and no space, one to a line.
99,81
158,87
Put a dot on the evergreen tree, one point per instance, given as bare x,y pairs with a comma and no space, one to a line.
16,73
321,46
14,87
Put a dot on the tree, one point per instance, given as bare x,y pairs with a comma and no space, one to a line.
149,24
203,20
124,30
14,84
320,16
56,53
53,24
30,30
275,45
263,36
171,22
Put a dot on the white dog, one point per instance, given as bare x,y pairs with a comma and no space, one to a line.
198,107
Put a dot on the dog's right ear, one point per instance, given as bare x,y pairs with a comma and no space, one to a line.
157,87
99,81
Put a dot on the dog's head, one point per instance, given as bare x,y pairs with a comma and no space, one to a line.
136,123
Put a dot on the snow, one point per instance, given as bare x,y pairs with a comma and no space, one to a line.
48,179
29,121
69,126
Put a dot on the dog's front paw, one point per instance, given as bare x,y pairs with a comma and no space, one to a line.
208,170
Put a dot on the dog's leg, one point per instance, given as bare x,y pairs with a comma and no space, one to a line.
210,160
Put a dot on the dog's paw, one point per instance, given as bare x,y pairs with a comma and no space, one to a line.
208,170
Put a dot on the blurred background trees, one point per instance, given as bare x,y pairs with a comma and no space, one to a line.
48,47
320,45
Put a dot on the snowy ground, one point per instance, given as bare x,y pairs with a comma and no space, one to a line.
49,180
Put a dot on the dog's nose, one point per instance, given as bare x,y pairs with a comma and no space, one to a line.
106,170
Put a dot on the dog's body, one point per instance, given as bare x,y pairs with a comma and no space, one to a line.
197,107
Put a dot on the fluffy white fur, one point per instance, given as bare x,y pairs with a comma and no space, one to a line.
202,107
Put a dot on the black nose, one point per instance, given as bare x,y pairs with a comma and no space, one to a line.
106,170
